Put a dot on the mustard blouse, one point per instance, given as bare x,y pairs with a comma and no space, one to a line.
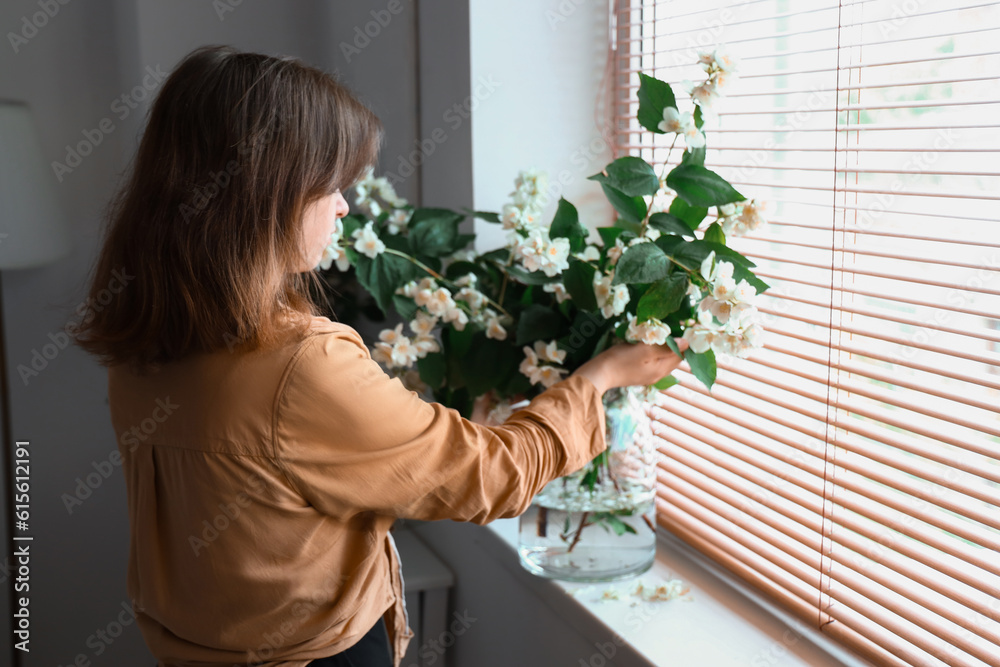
262,486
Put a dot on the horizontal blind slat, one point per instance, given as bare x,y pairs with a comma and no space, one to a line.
870,501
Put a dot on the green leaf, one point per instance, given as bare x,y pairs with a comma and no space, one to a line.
699,121
538,322
691,254
714,234
741,272
668,243
632,209
633,229
661,384
405,306
741,265
483,215
462,240
654,97
691,215
434,235
725,252
351,224
432,368
487,363
702,366
617,525
566,224
458,342
456,270
662,298
530,277
499,255
421,214
579,282
384,274
694,156
642,263
672,344
631,175
670,224
699,186
608,235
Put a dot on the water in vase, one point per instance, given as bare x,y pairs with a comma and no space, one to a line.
589,536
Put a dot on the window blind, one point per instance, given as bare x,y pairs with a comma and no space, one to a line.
850,468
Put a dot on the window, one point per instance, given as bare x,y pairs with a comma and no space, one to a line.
851,467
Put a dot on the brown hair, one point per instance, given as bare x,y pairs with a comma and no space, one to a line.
209,220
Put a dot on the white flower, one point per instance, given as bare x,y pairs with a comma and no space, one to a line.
549,352
333,252
752,215
495,330
367,241
513,216
615,252
558,289
651,332
724,60
471,296
390,336
529,188
408,290
424,324
549,375
724,289
404,353
463,255
693,137
699,338
683,124
590,254
439,302
705,94
557,257
745,292
457,317
468,280
611,299
546,375
721,310
426,345
539,253
529,366
674,121
398,219
661,201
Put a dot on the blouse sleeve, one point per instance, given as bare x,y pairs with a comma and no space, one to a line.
351,439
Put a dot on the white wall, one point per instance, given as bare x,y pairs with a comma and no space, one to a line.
545,59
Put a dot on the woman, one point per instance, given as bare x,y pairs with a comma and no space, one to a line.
266,455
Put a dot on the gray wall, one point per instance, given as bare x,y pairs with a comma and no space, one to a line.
85,56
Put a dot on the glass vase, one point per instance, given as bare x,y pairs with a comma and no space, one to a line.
599,524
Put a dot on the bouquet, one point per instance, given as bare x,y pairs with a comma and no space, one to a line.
517,319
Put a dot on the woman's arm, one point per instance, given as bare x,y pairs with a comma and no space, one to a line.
351,439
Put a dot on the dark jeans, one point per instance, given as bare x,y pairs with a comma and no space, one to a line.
372,650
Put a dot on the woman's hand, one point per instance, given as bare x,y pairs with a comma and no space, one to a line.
631,364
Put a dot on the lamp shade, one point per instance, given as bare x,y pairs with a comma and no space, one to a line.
33,229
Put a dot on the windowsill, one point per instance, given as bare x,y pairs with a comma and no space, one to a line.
718,622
